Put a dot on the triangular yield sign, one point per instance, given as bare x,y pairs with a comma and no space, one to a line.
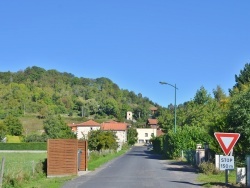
227,141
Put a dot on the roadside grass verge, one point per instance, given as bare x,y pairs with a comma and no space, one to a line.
25,170
47,182
213,180
97,160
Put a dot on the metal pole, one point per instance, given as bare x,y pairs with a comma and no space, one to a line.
175,108
174,86
226,177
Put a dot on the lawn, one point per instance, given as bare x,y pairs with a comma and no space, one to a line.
102,159
20,169
213,180
16,162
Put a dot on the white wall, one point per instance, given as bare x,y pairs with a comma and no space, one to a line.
121,136
83,131
144,134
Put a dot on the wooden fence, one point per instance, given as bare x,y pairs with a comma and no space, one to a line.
63,155
83,146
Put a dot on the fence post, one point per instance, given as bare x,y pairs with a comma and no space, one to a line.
33,167
2,170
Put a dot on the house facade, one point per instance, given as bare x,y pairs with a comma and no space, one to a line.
84,128
120,130
145,134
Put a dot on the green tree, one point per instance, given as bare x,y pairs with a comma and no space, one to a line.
3,130
91,105
55,127
219,94
132,136
110,107
238,121
201,96
186,139
166,119
102,140
14,125
242,80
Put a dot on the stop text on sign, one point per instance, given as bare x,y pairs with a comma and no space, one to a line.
226,162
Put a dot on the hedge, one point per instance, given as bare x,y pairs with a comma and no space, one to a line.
24,146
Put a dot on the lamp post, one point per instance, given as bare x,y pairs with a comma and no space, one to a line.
174,86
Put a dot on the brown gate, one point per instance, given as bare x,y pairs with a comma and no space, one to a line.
83,147
62,157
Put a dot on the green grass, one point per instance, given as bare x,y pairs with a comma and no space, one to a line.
48,182
218,179
96,163
16,162
19,168
31,124
13,139
20,165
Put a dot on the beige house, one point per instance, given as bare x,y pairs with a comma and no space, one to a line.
145,134
152,129
84,128
120,130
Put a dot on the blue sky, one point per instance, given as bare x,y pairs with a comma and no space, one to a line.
135,43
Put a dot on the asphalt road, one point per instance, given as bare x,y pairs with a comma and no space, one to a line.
138,169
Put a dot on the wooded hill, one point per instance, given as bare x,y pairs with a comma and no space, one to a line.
41,92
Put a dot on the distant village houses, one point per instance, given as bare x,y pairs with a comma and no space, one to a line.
150,130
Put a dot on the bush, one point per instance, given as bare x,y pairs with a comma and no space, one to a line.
36,138
158,144
208,168
125,146
186,139
41,167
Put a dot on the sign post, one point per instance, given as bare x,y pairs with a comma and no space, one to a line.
227,142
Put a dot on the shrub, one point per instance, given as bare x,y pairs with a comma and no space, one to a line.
208,168
36,138
41,167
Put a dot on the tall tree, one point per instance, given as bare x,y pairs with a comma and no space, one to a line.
219,94
55,127
238,120
14,125
242,80
201,96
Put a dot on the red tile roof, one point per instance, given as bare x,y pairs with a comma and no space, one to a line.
159,132
89,123
152,121
114,126
72,125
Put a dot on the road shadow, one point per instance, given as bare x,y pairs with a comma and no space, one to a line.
149,154
189,183
221,185
180,166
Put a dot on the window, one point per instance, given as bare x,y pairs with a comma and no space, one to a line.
146,134
152,134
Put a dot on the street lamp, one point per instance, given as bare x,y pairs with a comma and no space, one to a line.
174,86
